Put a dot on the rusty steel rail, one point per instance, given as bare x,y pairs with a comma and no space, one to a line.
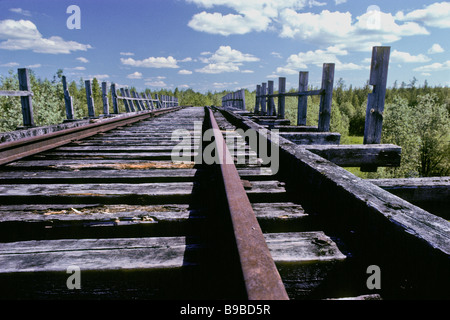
15,150
261,277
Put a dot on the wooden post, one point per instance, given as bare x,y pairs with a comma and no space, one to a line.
138,103
376,99
257,102
327,97
89,98
114,98
302,100
270,101
105,99
67,100
26,102
243,99
150,98
125,102
263,99
281,98
158,101
130,102
146,100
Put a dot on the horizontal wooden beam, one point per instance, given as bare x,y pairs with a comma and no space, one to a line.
432,194
381,155
312,138
10,93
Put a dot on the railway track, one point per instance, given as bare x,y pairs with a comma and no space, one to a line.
140,225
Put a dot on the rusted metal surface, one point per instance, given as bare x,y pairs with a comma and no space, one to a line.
262,280
15,150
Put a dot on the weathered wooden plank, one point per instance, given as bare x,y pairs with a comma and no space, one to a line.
431,194
169,191
91,213
117,176
146,253
312,138
359,155
433,188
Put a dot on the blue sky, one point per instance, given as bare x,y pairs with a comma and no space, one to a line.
212,45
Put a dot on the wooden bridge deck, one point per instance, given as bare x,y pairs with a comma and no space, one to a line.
142,226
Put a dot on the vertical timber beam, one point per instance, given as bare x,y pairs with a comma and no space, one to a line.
105,99
89,98
327,97
281,97
130,102
114,98
257,102
270,101
125,102
375,100
263,99
302,100
26,101
243,99
67,100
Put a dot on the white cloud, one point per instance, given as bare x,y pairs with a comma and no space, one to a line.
135,75
151,62
276,54
434,67
247,71
184,86
225,25
338,2
226,59
302,60
159,83
99,76
126,54
435,15
82,59
24,35
33,66
184,72
10,64
373,28
21,11
188,59
251,15
405,57
435,48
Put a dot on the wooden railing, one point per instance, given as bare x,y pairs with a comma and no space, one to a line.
234,100
265,105
132,103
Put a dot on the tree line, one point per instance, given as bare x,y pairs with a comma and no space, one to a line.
416,115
